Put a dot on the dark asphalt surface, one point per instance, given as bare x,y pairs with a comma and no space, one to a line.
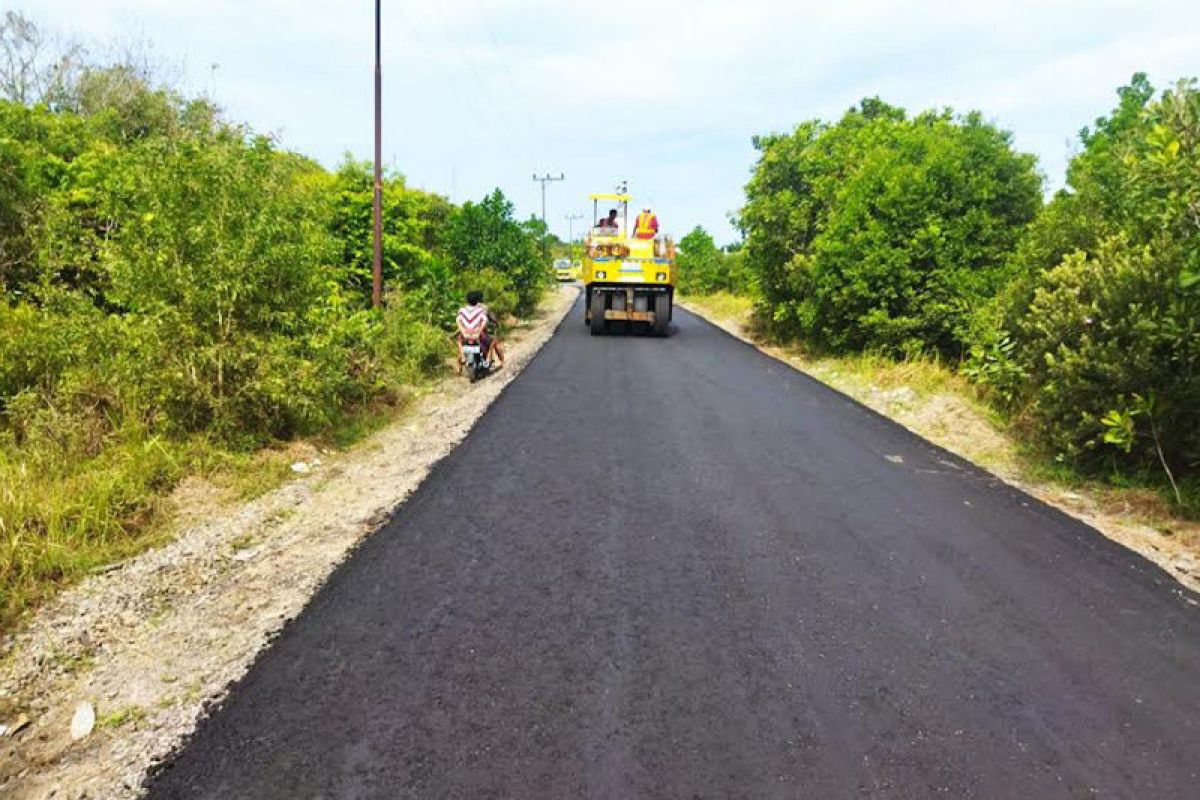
677,568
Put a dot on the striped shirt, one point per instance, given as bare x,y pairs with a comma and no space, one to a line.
472,321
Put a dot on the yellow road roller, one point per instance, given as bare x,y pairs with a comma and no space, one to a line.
628,274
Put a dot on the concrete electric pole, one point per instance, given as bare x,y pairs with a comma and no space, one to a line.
544,179
571,232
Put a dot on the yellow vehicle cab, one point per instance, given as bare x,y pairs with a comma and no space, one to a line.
564,270
627,281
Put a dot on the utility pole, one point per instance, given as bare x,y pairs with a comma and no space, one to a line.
547,178
571,235
377,269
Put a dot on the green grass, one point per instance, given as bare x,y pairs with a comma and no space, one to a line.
62,515
67,509
78,493
723,305
924,375
127,715
354,428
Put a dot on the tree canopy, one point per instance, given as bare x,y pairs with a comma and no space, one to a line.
881,231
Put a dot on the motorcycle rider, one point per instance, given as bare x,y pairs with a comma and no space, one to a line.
477,324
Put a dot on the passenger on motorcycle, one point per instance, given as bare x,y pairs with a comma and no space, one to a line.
477,325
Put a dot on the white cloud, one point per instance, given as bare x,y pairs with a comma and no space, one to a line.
482,93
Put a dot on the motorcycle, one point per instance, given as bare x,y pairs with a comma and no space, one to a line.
476,361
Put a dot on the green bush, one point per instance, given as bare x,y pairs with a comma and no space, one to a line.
1113,333
1103,351
175,291
485,236
704,268
881,232
36,149
408,348
414,227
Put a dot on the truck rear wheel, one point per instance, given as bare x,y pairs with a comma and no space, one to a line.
599,324
662,314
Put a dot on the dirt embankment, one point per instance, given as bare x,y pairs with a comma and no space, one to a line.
946,419
148,644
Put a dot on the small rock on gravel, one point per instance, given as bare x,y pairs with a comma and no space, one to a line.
83,721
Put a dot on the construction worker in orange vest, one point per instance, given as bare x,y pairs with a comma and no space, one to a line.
646,226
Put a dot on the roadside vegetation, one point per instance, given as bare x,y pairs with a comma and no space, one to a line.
181,295
922,244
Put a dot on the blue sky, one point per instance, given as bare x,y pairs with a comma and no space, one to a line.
666,95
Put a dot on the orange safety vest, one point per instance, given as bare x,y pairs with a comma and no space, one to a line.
646,226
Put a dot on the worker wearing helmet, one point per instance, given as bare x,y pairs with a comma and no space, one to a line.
646,226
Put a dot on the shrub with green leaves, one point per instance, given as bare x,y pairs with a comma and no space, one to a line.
36,150
1105,355
705,268
485,236
883,232
414,226
1111,332
217,257
176,292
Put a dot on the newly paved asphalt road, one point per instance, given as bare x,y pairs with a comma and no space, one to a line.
680,569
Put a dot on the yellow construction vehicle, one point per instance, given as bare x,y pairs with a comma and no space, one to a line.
627,281
564,270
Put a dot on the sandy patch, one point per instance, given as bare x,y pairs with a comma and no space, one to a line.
950,422
152,640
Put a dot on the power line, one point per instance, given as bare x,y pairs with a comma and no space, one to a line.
479,115
501,109
482,17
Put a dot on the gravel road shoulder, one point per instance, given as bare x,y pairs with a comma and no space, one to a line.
152,642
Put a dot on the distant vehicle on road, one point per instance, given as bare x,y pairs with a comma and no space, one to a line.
564,270
627,278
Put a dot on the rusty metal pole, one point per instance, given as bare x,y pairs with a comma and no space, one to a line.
377,270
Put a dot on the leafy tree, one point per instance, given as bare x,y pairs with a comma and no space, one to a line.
1083,213
414,224
36,149
705,268
699,262
1103,324
884,232
126,106
485,236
